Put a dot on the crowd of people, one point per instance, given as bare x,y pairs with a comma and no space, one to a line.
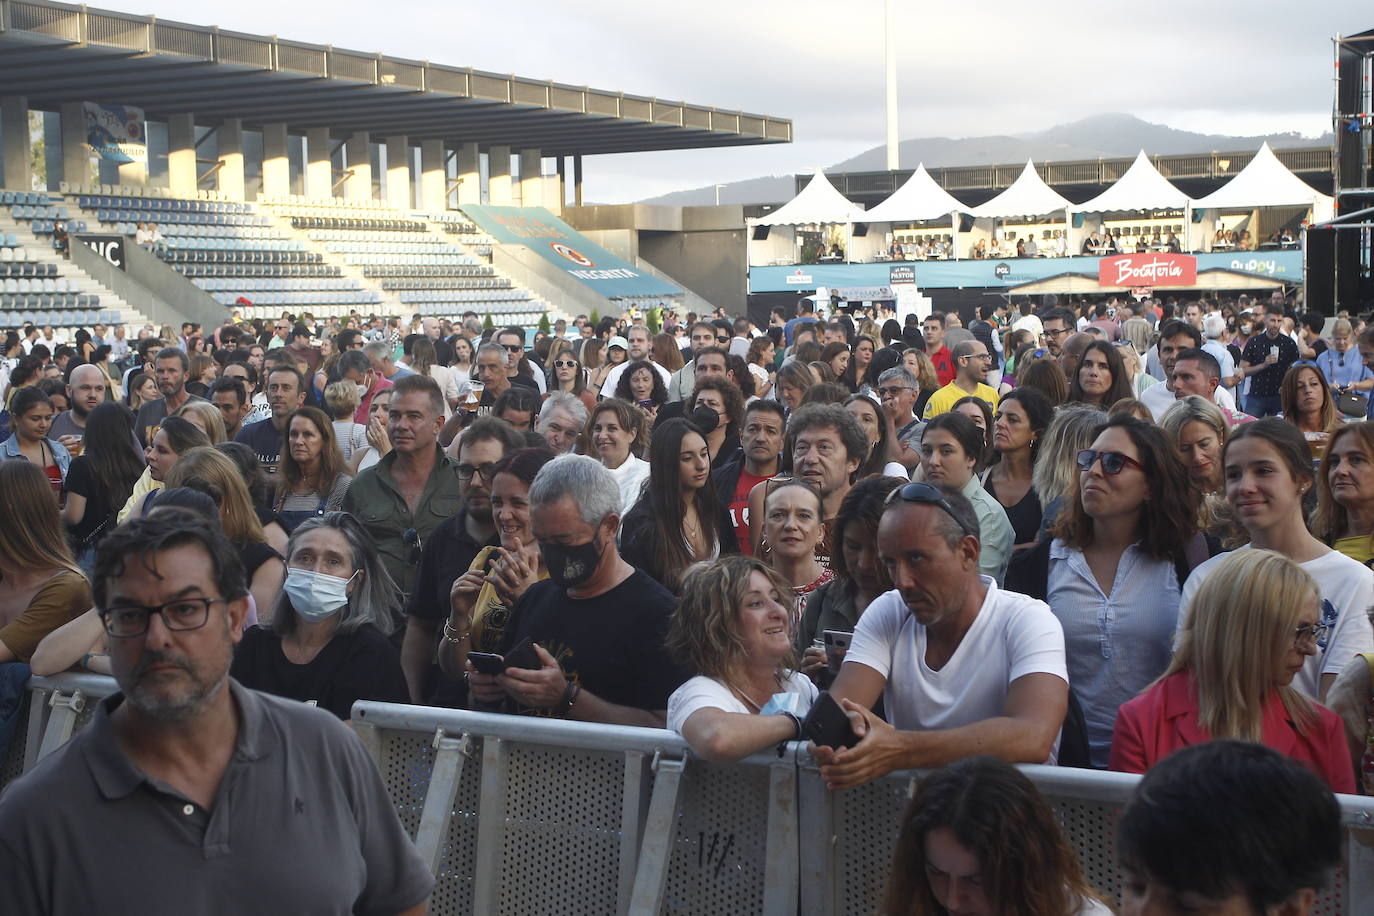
1091,534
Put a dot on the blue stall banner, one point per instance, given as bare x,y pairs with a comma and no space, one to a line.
568,250
1283,266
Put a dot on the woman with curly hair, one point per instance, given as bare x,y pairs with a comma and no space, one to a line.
731,628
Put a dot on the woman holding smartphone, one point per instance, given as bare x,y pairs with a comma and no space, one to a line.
731,627
482,598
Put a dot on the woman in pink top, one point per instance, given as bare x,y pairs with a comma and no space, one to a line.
1251,626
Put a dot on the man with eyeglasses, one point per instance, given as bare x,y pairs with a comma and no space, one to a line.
963,666
405,496
448,552
971,359
188,792
1057,325
898,388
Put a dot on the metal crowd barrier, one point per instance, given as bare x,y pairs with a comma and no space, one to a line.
521,815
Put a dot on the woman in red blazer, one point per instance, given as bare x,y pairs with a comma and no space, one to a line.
1251,626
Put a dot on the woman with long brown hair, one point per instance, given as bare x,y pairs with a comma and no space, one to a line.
679,520
1306,401
313,478
1344,517
41,586
978,837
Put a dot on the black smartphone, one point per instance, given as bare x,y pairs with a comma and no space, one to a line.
523,656
487,662
827,725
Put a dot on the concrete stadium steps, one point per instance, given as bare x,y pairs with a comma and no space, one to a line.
43,253
390,304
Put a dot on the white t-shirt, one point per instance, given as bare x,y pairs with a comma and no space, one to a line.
1159,399
703,692
630,477
1012,636
1347,591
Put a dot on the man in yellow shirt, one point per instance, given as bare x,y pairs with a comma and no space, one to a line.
971,360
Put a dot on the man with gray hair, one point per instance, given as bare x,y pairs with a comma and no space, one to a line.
382,356
1213,329
898,389
561,421
597,624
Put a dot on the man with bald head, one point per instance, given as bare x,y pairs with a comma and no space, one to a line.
1071,351
86,388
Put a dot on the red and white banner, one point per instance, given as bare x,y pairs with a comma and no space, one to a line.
1162,269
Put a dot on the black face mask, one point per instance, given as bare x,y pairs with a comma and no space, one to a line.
569,565
705,418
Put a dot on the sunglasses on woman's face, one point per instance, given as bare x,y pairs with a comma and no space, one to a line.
1112,462
565,364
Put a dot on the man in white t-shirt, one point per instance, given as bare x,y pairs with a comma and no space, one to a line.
1347,593
963,667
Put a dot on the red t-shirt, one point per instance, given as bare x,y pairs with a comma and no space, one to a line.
943,361
739,509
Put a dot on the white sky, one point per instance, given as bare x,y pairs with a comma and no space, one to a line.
1217,66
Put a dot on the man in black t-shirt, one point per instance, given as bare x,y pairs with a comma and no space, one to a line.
1265,360
285,392
597,623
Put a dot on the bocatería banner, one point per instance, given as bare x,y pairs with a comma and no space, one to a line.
116,132
563,246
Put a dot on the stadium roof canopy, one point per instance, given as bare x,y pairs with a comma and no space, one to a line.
55,53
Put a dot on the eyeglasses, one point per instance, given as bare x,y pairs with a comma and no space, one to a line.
978,356
1311,635
565,364
126,620
893,390
1112,462
465,471
1054,334
928,495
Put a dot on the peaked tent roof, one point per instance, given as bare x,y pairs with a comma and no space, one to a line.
918,198
1141,188
818,202
1265,182
1027,196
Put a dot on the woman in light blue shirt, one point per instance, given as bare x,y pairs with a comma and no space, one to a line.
1341,365
1116,568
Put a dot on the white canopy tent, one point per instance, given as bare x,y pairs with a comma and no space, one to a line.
1027,196
818,202
1141,188
919,198
1267,182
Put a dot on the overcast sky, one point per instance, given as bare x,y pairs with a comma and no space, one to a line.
1219,66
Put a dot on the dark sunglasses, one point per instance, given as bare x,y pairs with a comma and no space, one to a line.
1112,462
928,495
514,348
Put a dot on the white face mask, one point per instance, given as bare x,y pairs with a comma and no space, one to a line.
316,596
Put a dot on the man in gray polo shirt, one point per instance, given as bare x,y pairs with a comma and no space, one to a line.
189,793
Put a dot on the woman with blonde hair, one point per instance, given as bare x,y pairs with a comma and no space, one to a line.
206,416
731,628
41,587
1056,467
213,472
1199,431
1248,632
341,403
793,379
1344,517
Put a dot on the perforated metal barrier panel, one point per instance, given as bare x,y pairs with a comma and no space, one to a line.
520,816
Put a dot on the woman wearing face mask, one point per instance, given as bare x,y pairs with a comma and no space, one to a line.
1268,470
726,414
482,598
679,520
327,641
950,449
1250,629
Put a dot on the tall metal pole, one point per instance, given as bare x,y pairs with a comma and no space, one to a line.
890,38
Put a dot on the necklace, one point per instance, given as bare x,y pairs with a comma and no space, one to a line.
747,702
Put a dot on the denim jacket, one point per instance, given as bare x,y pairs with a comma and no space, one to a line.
10,449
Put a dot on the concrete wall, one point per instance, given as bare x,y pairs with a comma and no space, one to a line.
151,287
